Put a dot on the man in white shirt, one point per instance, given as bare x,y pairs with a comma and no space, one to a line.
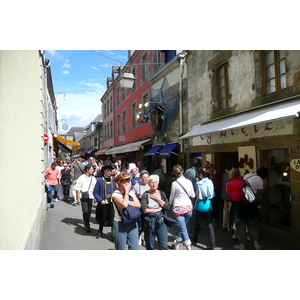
86,183
257,180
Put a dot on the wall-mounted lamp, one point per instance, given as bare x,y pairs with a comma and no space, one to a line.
127,81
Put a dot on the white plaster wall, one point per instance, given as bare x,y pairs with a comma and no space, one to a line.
21,192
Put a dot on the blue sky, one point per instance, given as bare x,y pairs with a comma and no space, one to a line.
79,81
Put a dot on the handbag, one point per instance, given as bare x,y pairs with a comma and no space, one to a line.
130,213
85,195
248,193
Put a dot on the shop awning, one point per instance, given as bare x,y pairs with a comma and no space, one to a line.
126,148
102,151
63,147
82,154
167,150
264,114
154,150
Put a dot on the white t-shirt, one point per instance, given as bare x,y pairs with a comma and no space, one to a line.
83,184
255,181
178,196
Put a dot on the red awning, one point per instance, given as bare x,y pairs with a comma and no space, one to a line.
102,151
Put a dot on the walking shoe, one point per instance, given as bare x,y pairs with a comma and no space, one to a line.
51,205
257,247
176,245
239,247
55,200
234,237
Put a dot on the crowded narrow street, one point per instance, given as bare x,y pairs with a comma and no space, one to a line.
64,230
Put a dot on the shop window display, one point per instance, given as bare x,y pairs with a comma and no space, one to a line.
279,188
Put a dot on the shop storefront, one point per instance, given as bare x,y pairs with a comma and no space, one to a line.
269,138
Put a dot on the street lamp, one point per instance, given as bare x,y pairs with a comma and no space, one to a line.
127,81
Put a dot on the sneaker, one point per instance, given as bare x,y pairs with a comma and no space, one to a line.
51,205
239,247
234,237
140,240
257,247
55,200
176,245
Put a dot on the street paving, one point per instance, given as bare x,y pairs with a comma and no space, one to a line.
64,230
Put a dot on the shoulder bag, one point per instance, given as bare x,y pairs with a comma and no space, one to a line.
130,213
85,195
249,195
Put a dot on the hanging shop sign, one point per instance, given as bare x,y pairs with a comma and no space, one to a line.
65,126
295,164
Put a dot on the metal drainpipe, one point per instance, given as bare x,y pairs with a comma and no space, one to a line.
180,100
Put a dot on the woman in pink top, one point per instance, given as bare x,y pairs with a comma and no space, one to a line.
241,212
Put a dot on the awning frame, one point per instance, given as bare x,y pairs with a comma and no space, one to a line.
130,147
272,112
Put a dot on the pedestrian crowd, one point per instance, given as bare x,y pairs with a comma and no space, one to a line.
129,201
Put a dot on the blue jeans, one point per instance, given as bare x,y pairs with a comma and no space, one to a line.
124,234
158,229
50,189
182,233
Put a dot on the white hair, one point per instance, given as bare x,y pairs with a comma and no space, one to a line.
153,177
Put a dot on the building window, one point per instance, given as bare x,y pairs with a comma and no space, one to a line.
222,80
118,96
119,124
156,59
95,142
134,83
133,115
124,121
274,73
111,129
144,67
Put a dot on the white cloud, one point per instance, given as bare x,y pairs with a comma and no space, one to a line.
98,87
78,109
66,64
65,72
52,52
95,68
105,66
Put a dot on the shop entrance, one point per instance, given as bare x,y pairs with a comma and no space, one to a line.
225,158
277,206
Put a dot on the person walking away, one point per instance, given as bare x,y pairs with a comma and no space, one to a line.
182,191
153,205
103,191
216,178
84,194
77,170
192,175
51,176
204,193
227,200
241,212
124,234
